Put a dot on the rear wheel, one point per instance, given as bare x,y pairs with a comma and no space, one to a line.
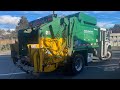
77,64
14,56
15,60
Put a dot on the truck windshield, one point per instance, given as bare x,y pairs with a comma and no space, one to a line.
107,35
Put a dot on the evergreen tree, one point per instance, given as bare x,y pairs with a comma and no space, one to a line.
116,28
23,23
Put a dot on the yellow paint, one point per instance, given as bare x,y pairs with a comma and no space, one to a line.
32,50
51,52
35,62
41,51
49,68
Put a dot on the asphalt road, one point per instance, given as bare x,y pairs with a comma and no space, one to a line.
94,70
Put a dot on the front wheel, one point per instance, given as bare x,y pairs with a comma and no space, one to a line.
109,54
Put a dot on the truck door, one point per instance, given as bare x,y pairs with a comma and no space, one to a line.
103,49
103,42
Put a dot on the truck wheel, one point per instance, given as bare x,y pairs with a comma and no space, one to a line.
77,64
13,56
15,60
109,54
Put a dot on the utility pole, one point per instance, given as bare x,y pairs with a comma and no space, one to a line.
53,12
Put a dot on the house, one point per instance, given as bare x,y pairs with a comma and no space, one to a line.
115,39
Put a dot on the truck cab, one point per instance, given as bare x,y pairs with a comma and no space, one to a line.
104,45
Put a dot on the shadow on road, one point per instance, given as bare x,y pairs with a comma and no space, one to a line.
97,70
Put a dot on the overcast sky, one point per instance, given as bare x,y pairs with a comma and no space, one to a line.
9,19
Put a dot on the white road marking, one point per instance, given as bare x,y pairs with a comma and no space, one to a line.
4,55
116,58
12,73
104,65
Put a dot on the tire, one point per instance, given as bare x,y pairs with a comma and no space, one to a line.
77,64
109,54
15,60
13,56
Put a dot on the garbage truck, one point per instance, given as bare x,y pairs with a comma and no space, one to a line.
52,42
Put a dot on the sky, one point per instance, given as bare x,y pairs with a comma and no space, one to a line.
9,19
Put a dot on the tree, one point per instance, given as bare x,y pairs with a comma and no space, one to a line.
13,34
116,28
9,31
2,32
23,23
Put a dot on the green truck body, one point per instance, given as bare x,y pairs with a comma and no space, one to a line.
84,33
